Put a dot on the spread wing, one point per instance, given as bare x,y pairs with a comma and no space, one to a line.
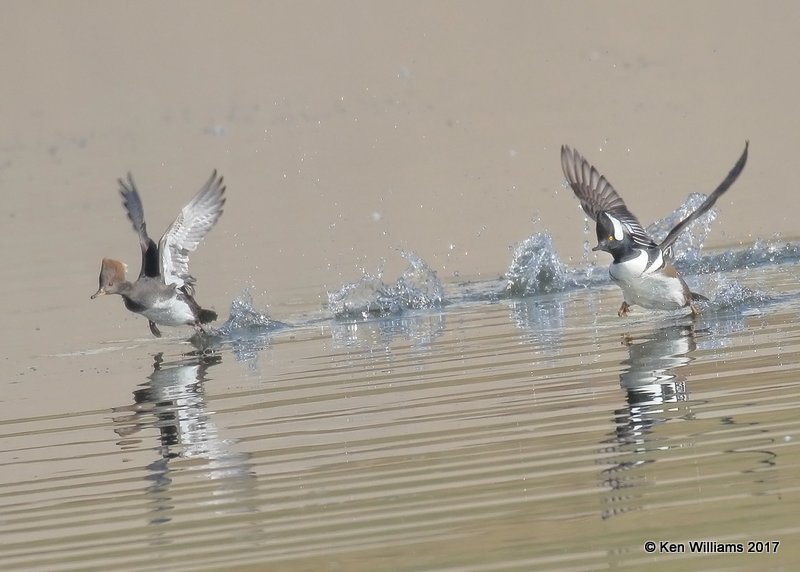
184,235
597,195
709,202
133,206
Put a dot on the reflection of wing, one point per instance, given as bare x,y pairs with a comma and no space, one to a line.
191,226
709,202
135,210
597,195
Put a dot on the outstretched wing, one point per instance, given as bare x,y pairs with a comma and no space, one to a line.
597,195
709,202
184,235
133,206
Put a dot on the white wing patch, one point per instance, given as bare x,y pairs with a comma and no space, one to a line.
185,234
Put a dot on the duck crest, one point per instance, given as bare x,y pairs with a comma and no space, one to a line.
112,272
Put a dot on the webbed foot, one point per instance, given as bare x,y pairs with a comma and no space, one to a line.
624,309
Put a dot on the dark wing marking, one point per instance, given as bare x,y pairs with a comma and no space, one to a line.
135,210
709,202
597,195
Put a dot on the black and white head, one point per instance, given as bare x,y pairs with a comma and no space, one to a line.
612,235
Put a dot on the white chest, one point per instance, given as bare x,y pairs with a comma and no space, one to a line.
644,284
636,268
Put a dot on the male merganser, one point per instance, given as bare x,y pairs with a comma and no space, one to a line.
641,267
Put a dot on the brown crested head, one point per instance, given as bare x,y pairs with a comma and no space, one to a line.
112,275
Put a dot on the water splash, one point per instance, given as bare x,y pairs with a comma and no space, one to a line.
757,254
417,288
727,294
687,252
244,317
687,249
536,268
247,330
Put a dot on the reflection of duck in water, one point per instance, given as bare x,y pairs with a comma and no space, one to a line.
652,361
651,382
173,402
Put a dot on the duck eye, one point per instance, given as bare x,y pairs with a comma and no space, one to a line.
611,238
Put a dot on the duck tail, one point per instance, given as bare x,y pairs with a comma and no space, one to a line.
206,316
698,297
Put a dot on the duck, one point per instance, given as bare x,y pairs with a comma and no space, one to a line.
164,291
641,267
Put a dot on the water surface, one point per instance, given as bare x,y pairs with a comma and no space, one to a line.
525,433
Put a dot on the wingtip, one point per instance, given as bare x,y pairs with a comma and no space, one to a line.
126,185
216,182
570,159
743,158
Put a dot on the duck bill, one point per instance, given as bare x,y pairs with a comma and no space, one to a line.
600,247
100,292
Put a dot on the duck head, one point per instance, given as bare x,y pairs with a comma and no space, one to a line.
611,235
112,277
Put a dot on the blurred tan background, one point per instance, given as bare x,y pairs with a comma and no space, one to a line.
347,130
